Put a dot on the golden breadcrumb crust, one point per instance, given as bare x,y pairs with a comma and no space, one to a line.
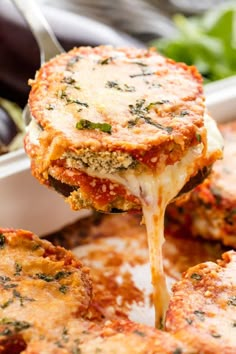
37,317
46,306
203,306
73,85
110,110
41,288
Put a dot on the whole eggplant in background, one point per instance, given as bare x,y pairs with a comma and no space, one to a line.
19,58
11,126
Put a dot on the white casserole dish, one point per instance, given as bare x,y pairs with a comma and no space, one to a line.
26,204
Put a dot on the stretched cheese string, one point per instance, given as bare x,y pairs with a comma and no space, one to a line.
155,232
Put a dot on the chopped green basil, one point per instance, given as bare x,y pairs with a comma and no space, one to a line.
198,137
70,100
189,320
184,113
63,289
18,295
62,274
4,278
50,107
143,73
150,105
118,87
157,125
68,80
139,63
196,276
105,61
72,61
232,300
17,325
87,124
63,95
6,304
35,247
200,315
45,277
18,268
10,286
141,111
65,335
139,333
138,109
48,277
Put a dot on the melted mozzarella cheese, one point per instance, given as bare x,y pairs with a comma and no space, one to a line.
155,190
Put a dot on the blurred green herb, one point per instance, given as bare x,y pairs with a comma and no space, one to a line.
207,41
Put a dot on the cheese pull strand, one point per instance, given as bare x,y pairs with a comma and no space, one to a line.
155,232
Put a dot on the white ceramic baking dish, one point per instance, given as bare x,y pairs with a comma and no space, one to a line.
26,204
221,99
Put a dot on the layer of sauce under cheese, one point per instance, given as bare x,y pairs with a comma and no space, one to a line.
155,190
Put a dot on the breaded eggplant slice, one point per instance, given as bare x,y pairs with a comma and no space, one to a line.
203,306
46,307
41,288
99,113
210,210
126,337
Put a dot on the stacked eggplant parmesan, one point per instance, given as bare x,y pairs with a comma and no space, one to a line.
102,117
121,129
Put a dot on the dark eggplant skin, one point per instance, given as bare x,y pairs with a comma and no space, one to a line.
12,127
8,128
196,180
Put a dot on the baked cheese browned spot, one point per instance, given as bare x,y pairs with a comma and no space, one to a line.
203,306
41,288
210,210
123,128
